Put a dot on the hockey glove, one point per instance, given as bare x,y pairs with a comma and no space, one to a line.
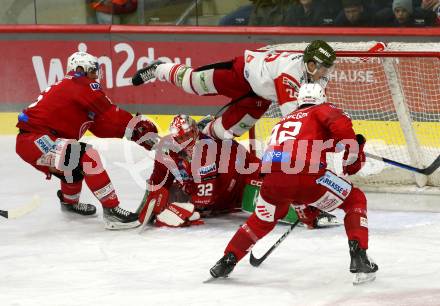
307,215
204,122
178,215
353,161
186,185
145,134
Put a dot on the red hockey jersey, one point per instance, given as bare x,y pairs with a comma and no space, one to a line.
72,106
300,141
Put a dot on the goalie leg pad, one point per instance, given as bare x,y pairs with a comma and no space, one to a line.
154,203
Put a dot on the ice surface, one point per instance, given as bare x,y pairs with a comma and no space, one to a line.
48,258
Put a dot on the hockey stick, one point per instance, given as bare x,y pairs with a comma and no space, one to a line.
258,261
21,211
426,171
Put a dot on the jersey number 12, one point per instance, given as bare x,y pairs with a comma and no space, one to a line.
284,131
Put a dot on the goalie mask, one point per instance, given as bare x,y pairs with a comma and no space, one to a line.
184,131
311,94
86,61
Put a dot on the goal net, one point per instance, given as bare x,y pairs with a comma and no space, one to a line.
393,98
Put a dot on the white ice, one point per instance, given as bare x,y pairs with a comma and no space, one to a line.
48,258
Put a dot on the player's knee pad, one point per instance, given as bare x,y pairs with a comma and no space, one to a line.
356,202
269,212
264,218
91,162
66,156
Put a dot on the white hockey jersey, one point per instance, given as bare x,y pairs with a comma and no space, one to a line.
277,76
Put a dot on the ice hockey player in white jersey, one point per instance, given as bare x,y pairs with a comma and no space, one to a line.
251,80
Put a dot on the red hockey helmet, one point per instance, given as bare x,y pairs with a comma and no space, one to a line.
184,130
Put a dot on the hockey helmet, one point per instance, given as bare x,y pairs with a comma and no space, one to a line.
311,93
320,52
184,130
84,60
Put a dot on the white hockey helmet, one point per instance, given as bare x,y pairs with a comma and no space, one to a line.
82,59
312,93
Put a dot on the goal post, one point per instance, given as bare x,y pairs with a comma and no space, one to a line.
393,98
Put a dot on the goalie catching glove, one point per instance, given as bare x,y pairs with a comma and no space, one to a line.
178,215
168,214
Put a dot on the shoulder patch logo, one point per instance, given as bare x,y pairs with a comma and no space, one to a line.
95,86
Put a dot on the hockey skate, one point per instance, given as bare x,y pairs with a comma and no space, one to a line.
326,220
118,218
79,208
363,267
145,74
224,266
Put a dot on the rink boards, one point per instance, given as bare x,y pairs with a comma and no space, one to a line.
387,131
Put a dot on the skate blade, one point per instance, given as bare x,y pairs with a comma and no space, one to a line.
363,278
213,279
120,226
210,280
74,216
326,223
